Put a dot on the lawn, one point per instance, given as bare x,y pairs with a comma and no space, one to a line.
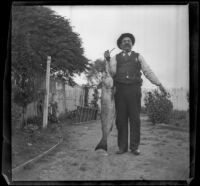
28,144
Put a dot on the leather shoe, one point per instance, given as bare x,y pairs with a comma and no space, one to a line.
135,152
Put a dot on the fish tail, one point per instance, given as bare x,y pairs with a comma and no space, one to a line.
102,145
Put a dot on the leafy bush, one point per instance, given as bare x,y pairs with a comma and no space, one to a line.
158,107
143,110
52,118
30,128
35,120
71,114
94,103
63,116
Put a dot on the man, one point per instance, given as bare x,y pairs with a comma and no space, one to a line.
125,68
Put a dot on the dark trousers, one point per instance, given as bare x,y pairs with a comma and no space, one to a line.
128,106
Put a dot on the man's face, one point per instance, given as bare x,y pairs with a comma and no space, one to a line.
126,44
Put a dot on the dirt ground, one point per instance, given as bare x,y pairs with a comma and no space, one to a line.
26,146
164,156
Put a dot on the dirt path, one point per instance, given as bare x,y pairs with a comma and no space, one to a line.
164,156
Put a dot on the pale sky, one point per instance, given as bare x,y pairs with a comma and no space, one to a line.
161,33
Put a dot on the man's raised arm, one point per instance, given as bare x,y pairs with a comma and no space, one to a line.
149,74
111,63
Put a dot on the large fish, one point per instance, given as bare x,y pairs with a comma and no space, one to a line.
107,108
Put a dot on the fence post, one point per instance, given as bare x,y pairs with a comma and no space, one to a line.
46,99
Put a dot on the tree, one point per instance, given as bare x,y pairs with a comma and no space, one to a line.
37,32
94,73
24,94
94,76
44,33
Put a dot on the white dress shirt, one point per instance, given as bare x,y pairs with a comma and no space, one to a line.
148,73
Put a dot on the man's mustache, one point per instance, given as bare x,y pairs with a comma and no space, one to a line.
127,44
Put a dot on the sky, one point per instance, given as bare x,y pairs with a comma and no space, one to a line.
161,36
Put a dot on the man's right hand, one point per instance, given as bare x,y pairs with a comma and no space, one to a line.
107,55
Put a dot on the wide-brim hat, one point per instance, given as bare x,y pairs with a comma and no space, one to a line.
123,36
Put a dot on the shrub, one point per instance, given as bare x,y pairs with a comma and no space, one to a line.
143,110
63,116
71,114
30,128
158,107
35,120
52,118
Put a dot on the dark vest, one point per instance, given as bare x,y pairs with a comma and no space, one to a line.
128,71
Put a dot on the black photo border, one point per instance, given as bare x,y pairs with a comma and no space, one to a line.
194,90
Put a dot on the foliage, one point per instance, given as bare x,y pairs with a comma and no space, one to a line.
94,76
63,116
41,32
24,93
37,32
158,107
95,98
143,110
30,128
71,114
94,73
52,118
35,120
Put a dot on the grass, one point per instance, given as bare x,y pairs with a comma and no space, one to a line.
27,145
180,118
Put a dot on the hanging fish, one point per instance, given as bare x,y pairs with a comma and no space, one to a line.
107,108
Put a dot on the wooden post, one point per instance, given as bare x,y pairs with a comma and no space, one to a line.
46,99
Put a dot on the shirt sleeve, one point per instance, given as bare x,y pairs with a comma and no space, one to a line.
148,73
112,66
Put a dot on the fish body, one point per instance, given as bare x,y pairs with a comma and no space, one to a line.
107,109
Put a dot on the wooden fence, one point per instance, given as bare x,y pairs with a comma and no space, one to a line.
70,101
84,114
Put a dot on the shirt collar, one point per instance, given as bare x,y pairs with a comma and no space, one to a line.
129,53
